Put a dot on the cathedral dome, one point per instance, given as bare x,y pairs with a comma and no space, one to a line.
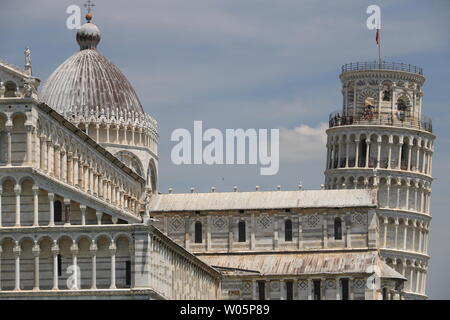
89,81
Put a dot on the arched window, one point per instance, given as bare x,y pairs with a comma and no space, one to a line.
337,229
10,89
57,208
288,230
242,233
387,94
198,232
401,105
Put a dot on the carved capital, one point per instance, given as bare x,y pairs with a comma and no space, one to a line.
17,250
55,248
36,250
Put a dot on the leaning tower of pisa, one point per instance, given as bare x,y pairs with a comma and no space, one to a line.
381,139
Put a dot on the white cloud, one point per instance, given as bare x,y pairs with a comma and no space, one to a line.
303,143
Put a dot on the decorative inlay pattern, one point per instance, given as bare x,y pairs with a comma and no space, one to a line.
275,285
219,224
264,222
176,224
303,284
247,286
359,283
312,221
330,284
359,218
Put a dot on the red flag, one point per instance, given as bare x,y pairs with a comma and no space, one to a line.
377,39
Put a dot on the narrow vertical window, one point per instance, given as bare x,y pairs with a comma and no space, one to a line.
316,289
289,290
288,230
344,285
198,232
59,265
337,229
363,151
261,290
404,156
128,273
242,233
57,207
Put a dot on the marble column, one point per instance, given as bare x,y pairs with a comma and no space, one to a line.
76,276
35,205
69,172
43,154
50,153
67,211
107,132
29,148
56,161
405,235
17,191
83,214
93,250
55,252
36,251
75,171
63,173
99,215
112,251
51,197
388,192
9,145
379,141
400,145
367,153
347,147
389,152
17,251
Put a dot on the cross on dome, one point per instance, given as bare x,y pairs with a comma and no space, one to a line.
89,5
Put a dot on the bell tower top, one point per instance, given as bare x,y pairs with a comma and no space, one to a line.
381,93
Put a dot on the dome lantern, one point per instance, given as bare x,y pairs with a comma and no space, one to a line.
88,36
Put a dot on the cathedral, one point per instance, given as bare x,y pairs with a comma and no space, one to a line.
81,216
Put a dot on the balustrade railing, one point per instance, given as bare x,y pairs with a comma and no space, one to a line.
381,65
400,119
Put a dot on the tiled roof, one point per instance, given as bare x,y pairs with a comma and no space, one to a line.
263,200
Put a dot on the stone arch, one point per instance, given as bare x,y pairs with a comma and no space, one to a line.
6,237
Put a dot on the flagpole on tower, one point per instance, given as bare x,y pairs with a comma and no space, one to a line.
378,39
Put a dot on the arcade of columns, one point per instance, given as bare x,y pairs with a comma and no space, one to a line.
69,160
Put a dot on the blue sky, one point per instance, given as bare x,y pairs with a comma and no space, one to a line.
253,64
